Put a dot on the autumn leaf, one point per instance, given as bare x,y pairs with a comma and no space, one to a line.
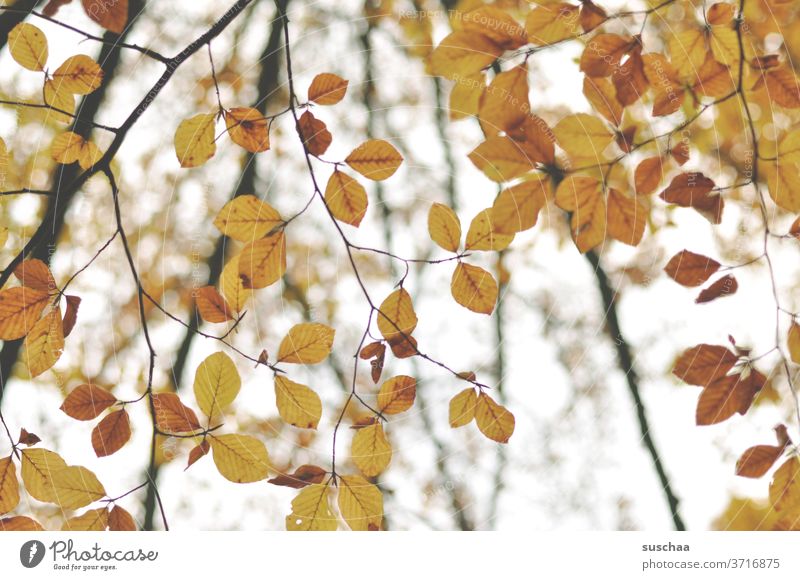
248,128
494,421
517,208
397,395
44,343
583,135
463,53
396,316
695,190
495,24
71,313
20,309
303,476
474,288
91,520
728,395
79,75
756,461
690,269
86,402
70,147
346,198
240,458
120,520
297,404
501,159
311,511
212,305
444,227
172,416
724,286
9,486
246,218
216,384
112,433
552,23
28,46
793,342
197,452
35,274
263,262
375,159
703,364
361,503
370,450
504,104
462,407
194,140
20,524
327,89
110,14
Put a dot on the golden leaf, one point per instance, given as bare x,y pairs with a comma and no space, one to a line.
474,288
240,458
9,486
212,305
311,511
396,316
482,234
361,503
44,344
462,407
444,227
370,450
263,262
246,218
307,343
28,46
90,521
517,208
494,420
375,159
462,53
297,404
248,128
79,75
194,140
397,395
327,89
216,384
346,198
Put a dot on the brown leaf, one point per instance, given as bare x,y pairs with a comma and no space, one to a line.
112,433
71,313
694,190
197,452
372,350
110,14
690,269
724,286
86,402
648,175
315,134
28,439
728,395
703,364
172,416
120,520
35,274
212,306
592,16
303,476
758,460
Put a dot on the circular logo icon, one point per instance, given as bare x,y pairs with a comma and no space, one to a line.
31,553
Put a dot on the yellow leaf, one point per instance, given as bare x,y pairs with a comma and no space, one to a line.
724,43
461,54
517,208
297,404
79,75
360,503
396,316
602,95
216,384
231,286
44,344
552,23
74,487
194,140
346,198
327,89
307,343
466,95
462,407
20,308
483,236
70,147
789,147
688,51
474,288
240,458
583,135
504,104
784,490
501,159
110,14
62,100
246,218
37,468
397,395
494,421
370,450
783,183
28,46
311,511
263,262
444,227
91,520
248,128
20,524
794,342
9,486
375,159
